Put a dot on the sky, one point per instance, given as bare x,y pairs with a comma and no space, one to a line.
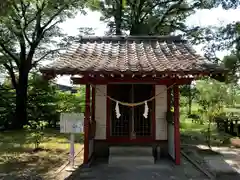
216,16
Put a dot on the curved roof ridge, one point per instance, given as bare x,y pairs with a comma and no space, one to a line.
132,38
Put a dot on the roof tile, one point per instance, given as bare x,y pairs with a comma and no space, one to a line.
131,54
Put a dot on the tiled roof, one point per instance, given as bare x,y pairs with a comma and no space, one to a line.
143,54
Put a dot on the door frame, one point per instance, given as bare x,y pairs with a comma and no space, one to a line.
111,139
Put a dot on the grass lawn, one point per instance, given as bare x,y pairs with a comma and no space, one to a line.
194,133
18,160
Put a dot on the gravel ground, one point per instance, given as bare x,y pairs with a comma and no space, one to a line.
163,169
218,172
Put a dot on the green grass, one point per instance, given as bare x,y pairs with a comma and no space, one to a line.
17,156
193,133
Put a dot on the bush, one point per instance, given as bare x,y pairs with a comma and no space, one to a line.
35,129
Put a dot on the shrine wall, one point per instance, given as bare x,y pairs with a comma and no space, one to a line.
100,112
160,112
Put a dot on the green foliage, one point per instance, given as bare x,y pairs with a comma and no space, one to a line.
232,62
69,102
160,17
35,129
146,17
188,92
7,105
212,97
223,38
42,100
26,30
45,102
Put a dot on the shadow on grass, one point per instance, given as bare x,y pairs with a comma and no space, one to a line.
31,163
18,160
24,137
50,134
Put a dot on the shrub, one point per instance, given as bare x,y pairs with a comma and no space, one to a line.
35,129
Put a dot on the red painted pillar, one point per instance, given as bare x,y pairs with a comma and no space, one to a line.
93,104
176,125
153,114
86,124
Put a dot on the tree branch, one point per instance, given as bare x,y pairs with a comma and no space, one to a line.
50,27
166,14
11,73
8,52
155,5
40,31
26,37
54,16
45,55
21,39
38,18
26,23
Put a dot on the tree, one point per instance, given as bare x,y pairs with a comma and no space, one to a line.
4,6
212,97
28,33
7,105
42,101
144,17
190,92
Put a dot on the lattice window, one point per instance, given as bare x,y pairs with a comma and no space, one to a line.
131,118
120,127
142,125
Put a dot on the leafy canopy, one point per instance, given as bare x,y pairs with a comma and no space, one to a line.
29,32
160,17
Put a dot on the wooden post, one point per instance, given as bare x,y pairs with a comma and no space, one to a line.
176,125
72,151
231,127
153,114
86,124
93,104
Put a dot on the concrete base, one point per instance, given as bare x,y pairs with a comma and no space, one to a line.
130,160
101,148
130,155
131,150
218,166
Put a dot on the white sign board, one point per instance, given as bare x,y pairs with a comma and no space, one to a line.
72,123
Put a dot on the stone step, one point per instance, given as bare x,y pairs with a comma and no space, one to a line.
130,151
115,160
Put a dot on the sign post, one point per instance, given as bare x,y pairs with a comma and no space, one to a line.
71,123
72,151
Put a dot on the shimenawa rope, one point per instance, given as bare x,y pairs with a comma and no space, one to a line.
131,104
117,110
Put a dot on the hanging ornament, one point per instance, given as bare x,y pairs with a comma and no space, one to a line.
146,109
117,110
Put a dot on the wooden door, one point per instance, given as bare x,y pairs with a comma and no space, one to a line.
131,126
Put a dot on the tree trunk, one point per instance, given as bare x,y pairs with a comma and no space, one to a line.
21,100
209,135
118,18
189,100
